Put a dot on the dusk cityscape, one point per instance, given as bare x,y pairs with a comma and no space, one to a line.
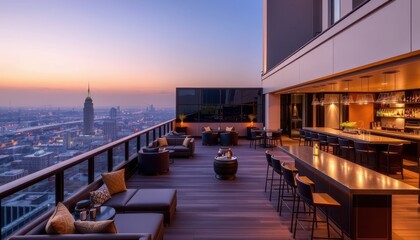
209,119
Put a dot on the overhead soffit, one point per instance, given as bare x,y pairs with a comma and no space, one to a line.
390,75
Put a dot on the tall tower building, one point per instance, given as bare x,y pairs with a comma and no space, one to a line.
88,115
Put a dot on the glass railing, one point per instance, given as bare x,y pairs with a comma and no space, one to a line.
25,199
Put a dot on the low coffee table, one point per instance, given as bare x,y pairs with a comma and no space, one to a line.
106,213
225,168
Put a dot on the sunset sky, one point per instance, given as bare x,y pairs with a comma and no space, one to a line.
132,53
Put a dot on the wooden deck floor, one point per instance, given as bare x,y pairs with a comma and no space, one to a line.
209,208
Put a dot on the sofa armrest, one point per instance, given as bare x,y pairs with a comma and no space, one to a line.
94,236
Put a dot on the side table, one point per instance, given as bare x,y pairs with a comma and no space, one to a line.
106,213
225,168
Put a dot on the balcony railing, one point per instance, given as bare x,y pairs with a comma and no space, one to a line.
28,197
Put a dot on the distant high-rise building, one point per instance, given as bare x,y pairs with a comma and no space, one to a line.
113,113
110,125
88,115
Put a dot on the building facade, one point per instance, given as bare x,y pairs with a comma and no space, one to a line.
332,49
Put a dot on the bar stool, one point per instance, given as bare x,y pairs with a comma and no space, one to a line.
308,140
277,169
314,200
301,136
333,142
269,165
323,144
362,151
392,158
346,148
314,138
289,173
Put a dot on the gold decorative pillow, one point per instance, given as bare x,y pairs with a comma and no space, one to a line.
162,142
107,226
100,196
115,181
207,129
229,129
61,221
186,142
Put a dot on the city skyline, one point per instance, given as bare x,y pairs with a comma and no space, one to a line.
132,53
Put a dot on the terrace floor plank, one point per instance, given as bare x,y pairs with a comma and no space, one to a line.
209,208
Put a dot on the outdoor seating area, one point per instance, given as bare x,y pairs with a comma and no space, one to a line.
255,204
221,136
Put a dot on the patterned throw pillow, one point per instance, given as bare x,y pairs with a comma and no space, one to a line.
100,196
115,181
186,142
107,226
162,142
61,222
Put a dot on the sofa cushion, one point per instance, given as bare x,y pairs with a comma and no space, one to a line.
115,181
61,221
181,149
207,129
162,142
100,196
150,149
119,200
151,200
107,226
142,222
229,129
186,142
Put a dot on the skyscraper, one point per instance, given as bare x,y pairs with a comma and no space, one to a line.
88,115
110,125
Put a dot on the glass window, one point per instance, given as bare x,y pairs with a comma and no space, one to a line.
188,96
335,11
220,105
211,96
231,96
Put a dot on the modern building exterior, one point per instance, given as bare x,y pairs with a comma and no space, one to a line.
219,107
316,53
88,115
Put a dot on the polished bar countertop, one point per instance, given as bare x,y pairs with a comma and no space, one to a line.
403,135
367,138
348,176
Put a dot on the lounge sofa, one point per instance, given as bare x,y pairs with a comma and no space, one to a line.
176,145
151,209
145,201
130,226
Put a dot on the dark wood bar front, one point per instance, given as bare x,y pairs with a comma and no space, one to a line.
365,195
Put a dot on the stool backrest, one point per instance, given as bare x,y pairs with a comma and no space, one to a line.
307,134
361,146
322,137
268,157
288,175
304,190
301,133
343,142
314,135
332,139
276,166
395,149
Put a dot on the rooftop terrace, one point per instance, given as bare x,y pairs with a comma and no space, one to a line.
209,208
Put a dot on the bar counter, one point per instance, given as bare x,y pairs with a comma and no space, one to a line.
367,138
365,195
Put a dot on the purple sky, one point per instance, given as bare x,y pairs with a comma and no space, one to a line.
132,53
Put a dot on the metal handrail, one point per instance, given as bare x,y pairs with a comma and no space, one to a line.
57,170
